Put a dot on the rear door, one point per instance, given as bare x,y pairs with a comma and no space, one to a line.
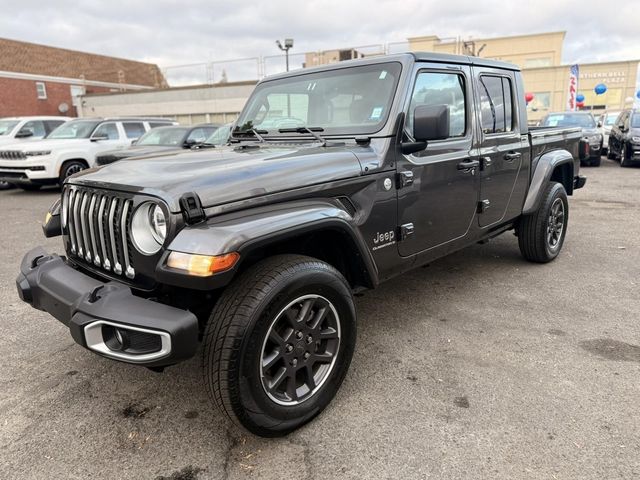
438,187
502,147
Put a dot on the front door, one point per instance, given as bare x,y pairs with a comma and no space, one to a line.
502,147
438,187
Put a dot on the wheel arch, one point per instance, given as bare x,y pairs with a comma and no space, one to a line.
319,229
64,161
555,166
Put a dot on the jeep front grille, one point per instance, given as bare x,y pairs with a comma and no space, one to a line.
98,225
12,155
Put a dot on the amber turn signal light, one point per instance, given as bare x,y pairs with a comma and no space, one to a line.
202,265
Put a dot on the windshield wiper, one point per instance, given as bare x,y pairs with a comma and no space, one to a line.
311,130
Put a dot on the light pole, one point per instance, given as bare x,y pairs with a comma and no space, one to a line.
288,43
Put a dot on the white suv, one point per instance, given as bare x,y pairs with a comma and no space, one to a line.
70,148
14,129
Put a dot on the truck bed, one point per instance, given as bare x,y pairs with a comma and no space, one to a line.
545,139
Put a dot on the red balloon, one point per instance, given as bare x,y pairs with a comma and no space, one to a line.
580,104
528,97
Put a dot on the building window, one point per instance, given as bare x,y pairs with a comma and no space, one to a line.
41,90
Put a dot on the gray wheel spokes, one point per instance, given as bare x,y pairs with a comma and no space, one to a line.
300,350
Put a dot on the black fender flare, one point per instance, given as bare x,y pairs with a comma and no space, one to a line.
248,230
545,166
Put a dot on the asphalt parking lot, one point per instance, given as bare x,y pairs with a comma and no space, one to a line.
478,366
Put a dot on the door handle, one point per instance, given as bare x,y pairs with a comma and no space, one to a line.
511,156
468,166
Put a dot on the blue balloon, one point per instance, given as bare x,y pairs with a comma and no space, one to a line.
580,98
638,94
600,89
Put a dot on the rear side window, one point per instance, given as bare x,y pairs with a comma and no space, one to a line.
134,129
433,89
51,125
496,106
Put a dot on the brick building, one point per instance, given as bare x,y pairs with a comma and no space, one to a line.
41,80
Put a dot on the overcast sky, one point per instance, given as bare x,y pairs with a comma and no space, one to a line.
174,33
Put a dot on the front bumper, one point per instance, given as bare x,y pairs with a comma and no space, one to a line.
36,171
151,334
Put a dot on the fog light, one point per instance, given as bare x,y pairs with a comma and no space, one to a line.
202,265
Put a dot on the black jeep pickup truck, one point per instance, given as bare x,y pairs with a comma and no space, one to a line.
336,178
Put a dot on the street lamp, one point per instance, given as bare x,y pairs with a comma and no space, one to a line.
288,43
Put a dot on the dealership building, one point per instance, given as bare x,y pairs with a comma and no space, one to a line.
538,55
42,80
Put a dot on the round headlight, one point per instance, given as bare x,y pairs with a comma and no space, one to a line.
148,228
158,224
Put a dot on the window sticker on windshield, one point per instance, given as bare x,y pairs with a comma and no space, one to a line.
376,113
383,75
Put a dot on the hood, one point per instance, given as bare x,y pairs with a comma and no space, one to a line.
135,151
590,131
44,144
226,174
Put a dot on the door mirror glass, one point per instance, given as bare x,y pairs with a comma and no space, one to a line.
97,138
431,122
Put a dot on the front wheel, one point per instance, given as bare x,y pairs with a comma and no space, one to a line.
279,343
69,168
624,157
541,234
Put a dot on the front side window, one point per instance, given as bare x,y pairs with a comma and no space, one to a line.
41,90
610,119
108,130
220,136
434,89
354,100
496,108
74,129
635,120
134,129
36,127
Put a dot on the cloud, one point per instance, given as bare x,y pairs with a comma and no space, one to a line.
176,33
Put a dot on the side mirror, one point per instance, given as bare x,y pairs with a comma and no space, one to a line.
599,124
189,143
430,122
24,133
97,138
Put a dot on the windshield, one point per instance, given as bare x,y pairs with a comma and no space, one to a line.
74,129
569,120
220,136
6,126
635,120
610,119
170,136
353,100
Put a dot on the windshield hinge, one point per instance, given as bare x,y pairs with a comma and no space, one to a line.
191,208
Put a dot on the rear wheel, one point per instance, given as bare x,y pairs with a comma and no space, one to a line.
279,343
541,234
595,161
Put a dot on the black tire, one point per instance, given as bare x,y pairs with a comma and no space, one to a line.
624,157
6,186
235,342
69,168
610,154
28,187
534,230
595,162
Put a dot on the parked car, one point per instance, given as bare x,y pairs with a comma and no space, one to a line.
68,149
605,122
368,169
14,129
624,139
160,140
591,137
